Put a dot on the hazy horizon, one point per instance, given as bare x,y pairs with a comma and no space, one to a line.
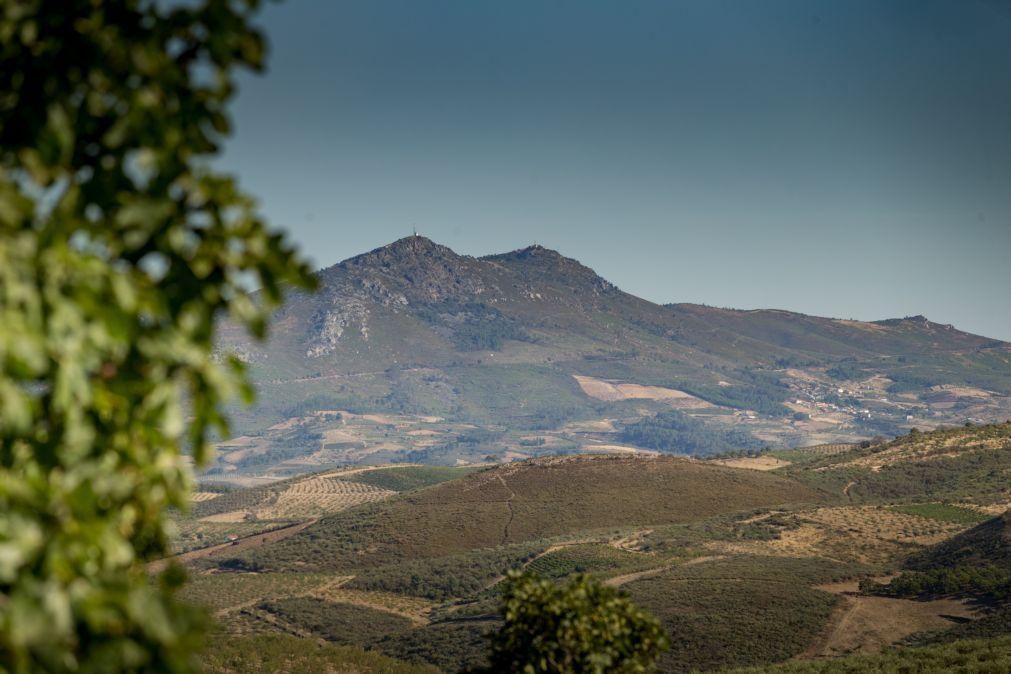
847,160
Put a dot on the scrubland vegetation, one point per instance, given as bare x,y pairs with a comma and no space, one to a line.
272,653
967,657
734,563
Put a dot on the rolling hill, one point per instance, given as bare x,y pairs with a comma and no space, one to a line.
779,557
518,503
531,341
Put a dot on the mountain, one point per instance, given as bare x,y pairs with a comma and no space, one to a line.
531,340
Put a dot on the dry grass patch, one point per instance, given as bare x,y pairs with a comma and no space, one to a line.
612,391
754,462
606,448
804,541
871,624
865,534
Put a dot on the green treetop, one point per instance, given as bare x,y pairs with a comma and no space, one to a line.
582,627
120,249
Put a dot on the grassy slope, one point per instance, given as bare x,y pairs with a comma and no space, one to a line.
739,611
964,463
529,501
271,653
989,656
988,543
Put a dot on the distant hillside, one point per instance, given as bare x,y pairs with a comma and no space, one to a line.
956,465
531,340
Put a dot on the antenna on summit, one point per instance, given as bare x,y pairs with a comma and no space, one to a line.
415,228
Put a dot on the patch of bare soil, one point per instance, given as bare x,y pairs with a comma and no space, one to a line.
611,391
230,517
615,449
754,463
632,542
871,624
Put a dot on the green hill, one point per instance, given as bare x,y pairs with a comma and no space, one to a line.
988,544
524,502
981,656
962,464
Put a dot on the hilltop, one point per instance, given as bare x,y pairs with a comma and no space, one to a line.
528,501
532,340
963,464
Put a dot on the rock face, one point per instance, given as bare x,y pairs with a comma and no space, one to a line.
417,276
512,330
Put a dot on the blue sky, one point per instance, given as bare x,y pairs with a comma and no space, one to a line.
849,159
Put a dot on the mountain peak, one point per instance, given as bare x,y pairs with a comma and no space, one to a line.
539,264
410,251
534,251
414,243
412,246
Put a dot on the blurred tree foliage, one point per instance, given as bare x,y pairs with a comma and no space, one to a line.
119,250
580,627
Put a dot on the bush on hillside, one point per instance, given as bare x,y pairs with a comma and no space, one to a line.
583,626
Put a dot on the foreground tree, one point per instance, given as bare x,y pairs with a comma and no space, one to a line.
581,627
119,250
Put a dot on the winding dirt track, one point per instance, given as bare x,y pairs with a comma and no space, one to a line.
627,578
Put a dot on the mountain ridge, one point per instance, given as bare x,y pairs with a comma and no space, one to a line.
526,339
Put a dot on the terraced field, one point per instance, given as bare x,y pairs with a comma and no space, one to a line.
226,592
322,495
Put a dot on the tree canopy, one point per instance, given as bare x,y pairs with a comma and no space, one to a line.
120,250
580,627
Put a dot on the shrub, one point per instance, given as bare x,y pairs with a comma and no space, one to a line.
579,627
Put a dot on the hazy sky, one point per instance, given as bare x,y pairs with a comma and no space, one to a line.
840,158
